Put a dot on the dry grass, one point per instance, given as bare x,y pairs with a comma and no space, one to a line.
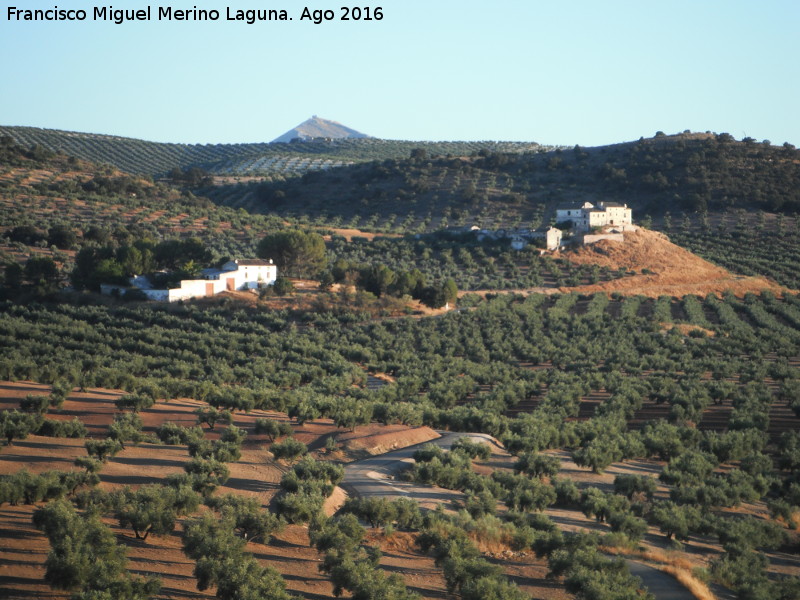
681,568
686,328
674,270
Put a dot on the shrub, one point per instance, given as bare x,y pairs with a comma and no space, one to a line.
472,449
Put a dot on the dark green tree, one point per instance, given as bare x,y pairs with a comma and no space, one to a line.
15,425
295,252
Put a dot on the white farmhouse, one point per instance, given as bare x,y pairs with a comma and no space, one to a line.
586,216
242,274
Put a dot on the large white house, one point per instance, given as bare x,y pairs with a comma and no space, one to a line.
586,216
242,274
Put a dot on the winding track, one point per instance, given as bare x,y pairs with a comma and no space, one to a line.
375,476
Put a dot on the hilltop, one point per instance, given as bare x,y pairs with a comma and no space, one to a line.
663,267
317,127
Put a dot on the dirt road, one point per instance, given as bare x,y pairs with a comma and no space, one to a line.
376,476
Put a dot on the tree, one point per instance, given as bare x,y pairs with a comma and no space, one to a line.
85,557
630,525
523,493
537,465
135,402
206,475
103,449
295,252
350,414
228,447
450,291
17,425
42,273
377,511
178,254
250,521
289,449
26,234
60,391
211,416
126,427
272,429
62,237
433,296
13,275
472,448
283,286
33,403
175,435
92,465
599,453
377,279
153,508
629,485
675,520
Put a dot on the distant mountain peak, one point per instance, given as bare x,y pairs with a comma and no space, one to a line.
317,127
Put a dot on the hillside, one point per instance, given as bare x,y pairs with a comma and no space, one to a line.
709,192
256,159
41,190
317,127
618,401
682,173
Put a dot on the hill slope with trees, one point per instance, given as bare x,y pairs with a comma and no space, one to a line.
692,173
261,159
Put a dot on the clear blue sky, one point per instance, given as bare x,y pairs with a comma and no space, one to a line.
587,72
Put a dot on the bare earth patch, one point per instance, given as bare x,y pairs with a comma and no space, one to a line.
372,440
674,270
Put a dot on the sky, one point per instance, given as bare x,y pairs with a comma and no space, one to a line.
569,72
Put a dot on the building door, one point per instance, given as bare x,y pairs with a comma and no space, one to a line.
230,284
209,289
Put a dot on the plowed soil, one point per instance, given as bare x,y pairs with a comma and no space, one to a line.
23,549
